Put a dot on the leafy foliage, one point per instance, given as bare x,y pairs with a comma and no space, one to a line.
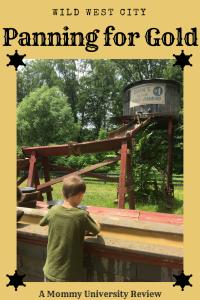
132,70
44,117
143,172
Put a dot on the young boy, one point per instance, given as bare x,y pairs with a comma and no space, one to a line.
67,225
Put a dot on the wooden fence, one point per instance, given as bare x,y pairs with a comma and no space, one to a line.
177,180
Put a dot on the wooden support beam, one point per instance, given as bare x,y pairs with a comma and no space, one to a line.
23,169
31,169
36,178
156,167
122,177
83,171
22,179
106,178
37,182
169,154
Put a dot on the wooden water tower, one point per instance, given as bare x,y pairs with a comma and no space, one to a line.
153,100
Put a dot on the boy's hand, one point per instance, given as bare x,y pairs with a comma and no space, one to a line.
98,225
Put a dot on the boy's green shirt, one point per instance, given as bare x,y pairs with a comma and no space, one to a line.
66,242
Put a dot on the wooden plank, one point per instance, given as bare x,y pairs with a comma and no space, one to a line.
114,212
145,216
142,124
163,218
133,257
131,187
31,169
22,163
122,130
83,171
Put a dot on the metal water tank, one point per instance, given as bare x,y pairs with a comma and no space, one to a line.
159,96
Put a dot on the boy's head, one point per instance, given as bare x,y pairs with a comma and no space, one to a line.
73,186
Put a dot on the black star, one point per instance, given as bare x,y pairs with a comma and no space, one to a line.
182,60
16,280
16,60
182,280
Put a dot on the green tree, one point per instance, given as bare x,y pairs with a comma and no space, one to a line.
45,117
132,70
67,72
35,75
97,91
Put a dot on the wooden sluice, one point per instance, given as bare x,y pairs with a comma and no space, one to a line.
132,246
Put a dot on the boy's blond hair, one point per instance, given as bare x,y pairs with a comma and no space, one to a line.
72,186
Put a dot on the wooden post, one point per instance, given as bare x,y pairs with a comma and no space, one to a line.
31,169
171,169
130,180
47,177
122,177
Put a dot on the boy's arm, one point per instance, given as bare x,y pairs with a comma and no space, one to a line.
98,225
44,220
92,225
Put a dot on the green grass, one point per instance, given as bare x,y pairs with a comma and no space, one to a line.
102,195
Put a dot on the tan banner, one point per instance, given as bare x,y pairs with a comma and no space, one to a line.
147,94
